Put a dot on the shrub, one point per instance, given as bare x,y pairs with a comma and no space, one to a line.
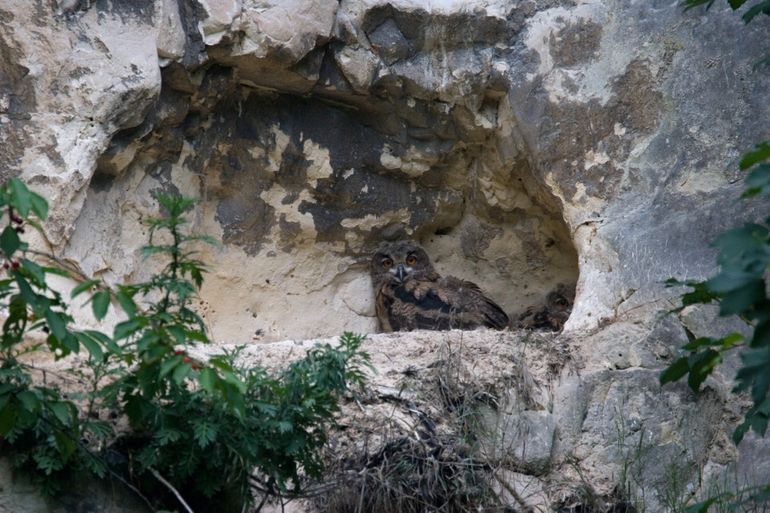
202,426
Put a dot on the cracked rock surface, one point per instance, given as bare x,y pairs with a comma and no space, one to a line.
592,144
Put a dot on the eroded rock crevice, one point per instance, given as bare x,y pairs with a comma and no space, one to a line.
301,188
525,144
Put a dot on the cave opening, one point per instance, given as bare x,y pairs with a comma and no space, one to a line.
300,189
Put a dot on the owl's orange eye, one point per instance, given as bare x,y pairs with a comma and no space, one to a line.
411,260
387,263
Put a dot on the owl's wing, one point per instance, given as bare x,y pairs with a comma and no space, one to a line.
383,305
446,303
485,311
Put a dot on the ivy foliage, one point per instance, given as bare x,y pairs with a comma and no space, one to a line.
212,429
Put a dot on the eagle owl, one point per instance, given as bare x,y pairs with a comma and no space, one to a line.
410,294
552,314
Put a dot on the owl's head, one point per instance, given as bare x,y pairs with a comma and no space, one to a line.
397,261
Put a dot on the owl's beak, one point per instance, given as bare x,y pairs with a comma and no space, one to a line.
400,272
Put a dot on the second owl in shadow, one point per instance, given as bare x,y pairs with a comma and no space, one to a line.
411,295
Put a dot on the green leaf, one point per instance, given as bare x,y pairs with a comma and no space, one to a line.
39,205
126,302
755,363
741,431
700,295
70,341
181,372
63,411
29,401
759,374
232,379
148,342
35,271
701,365
9,241
754,11
760,152
758,423
735,4
208,379
27,294
169,365
100,428
127,328
178,333
723,343
698,343
731,340
7,419
100,302
57,324
82,287
168,435
761,336
675,371
20,196
96,467
737,244
689,4
741,300
727,281
57,271
196,335
235,399
106,341
137,408
92,345
758,181
65,445
204,433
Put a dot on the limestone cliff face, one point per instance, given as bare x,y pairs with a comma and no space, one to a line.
526,144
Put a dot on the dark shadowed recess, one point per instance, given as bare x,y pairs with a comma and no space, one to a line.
257,150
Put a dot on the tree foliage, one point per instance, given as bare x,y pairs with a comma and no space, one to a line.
214,427
739,288
754,8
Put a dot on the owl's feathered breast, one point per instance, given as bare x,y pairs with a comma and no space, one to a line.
429,301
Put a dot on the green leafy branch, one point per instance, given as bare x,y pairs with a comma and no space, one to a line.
40,426
206,426
739,288
761,7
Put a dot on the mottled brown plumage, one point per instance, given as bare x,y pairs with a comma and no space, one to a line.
552,315
410,294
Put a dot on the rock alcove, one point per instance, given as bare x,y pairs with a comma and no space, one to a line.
515,140
300,189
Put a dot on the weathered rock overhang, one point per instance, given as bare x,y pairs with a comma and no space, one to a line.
519,141
306,158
